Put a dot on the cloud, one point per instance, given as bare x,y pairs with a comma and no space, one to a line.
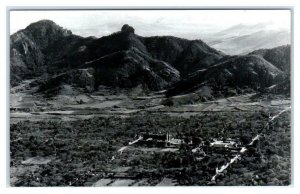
183,23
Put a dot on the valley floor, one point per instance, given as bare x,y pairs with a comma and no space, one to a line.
93,140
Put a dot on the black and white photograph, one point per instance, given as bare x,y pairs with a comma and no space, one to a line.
150,97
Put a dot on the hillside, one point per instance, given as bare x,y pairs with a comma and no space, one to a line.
278,56
237,72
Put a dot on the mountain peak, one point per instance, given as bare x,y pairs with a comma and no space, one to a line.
127,29
44,21
43,33
44,27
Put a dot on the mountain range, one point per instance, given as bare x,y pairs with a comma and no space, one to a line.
124,59
242,39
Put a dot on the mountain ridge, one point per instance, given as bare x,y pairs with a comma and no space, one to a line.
67,51
125,59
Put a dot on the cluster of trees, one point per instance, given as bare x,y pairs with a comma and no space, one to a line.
84,145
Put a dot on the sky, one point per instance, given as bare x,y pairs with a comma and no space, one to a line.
191,24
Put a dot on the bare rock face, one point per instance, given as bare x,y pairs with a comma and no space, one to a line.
46,32
28,48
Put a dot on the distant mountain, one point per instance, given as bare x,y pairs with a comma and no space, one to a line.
241,30
279,56
242,39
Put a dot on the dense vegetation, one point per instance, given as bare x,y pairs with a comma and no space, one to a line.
81,151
